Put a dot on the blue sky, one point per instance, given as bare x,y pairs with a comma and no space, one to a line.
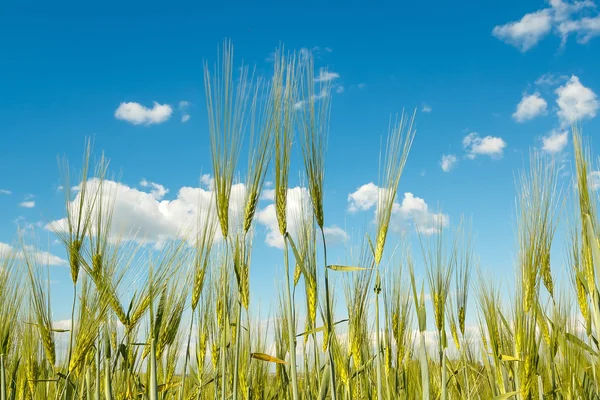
489,82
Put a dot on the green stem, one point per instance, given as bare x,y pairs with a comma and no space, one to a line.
98,369
187,357
223,366
444,372
88,383
291,321
424,367
107,380
237,351
72,324
377,336
464,357
153,386
329,324
2,379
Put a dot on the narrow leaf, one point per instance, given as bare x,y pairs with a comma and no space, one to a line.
344,268
267,358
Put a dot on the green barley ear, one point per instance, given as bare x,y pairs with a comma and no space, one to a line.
75,227
40,304
284,98
314,125
399,142
261,148
464,266
226,101
204,242
537,207
587,206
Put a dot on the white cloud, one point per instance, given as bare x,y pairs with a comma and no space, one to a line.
207,181
412,210
491,146
185,118
6,192
585,29
27,204
527,32
183,104
575,102
562,17
339,89
137,114
295,196
530,107
158,191
555,141
363,198
595,179
326,76
448,162
150,218
335,235
268,194
41,257
362,85
426,108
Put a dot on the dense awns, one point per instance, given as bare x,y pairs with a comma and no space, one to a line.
175,321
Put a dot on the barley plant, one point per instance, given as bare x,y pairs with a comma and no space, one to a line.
175,321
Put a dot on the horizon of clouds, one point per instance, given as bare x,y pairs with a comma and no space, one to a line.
563,18
147,217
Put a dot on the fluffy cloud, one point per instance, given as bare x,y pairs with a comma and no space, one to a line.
426,108
555,141
6,192
413,210
150,218
295,198
158,191
490,146
27,204
448,162
363,198
137,114
41,257
575,102
147,217
530,107
527,32
562,17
